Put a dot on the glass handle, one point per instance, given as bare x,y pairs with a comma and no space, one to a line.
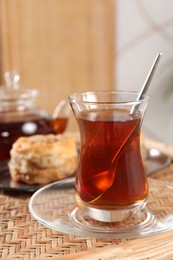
63,109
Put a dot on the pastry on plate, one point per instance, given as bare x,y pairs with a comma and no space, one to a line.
41,159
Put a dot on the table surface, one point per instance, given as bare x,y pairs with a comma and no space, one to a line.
23,238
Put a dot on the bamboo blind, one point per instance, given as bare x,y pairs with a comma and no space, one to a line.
58,46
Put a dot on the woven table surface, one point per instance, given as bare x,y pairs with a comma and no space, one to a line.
22,237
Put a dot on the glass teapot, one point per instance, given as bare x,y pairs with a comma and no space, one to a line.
19,115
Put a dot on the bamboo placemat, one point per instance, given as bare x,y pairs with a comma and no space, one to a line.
23,238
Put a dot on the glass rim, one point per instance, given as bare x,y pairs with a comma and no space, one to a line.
77,97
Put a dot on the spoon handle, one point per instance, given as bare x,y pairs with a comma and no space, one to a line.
146,84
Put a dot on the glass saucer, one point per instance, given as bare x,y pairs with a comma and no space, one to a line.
54,206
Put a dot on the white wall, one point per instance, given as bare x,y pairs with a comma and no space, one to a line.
144,28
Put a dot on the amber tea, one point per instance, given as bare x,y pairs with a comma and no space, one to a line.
104,183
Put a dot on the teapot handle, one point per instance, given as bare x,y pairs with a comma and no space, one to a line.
62,109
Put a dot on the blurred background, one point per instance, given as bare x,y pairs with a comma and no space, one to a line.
58,46
145,28
64,46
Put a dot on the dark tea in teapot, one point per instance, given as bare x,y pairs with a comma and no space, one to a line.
19,115
10,131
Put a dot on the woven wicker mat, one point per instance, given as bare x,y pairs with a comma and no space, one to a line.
23,238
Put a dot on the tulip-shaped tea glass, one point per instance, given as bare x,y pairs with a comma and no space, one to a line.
111,183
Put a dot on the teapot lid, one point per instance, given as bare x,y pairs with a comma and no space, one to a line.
12,91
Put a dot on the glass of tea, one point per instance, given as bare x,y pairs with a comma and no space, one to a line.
111,183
